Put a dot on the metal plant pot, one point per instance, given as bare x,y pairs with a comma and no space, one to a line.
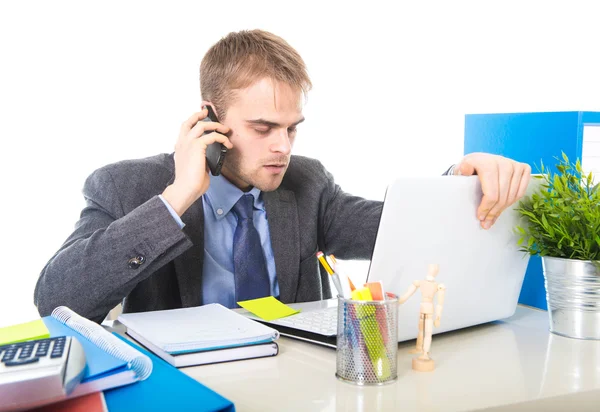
573,296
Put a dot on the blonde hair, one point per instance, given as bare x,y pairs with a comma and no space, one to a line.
242,58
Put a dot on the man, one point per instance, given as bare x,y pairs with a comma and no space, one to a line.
161,233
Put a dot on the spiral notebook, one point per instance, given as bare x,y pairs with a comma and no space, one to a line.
200,335
110,362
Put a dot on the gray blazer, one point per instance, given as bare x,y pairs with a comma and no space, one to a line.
127,248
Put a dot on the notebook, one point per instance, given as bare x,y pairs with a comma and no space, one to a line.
110,362
167,389
199,335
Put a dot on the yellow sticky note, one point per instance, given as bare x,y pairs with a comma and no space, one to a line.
23,332
268,308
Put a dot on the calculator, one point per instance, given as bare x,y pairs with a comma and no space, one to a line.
39,372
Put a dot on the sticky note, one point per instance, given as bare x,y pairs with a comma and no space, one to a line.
268,308
23,332
376,289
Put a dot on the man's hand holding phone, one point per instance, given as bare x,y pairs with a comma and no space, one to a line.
191,172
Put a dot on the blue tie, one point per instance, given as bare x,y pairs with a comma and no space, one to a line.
250,268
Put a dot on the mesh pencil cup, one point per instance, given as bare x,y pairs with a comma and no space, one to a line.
367,341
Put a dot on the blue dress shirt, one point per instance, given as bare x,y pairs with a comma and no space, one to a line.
219,226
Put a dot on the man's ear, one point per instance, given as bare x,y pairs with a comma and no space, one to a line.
209,103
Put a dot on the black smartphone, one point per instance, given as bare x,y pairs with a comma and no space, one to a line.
215,152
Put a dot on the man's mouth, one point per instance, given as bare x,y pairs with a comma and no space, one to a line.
276,167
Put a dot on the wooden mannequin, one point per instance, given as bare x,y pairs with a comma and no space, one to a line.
429,288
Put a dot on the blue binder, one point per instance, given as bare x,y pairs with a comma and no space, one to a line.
167,389
529,138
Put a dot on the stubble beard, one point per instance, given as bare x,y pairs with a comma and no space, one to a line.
233,164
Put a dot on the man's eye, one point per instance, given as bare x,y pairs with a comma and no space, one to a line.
263,132
292,130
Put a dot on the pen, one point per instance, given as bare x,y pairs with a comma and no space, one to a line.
334,276
345,281
334,261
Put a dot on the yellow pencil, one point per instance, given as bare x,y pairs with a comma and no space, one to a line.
323,261
334,276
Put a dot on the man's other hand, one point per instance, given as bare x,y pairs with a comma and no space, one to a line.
503,182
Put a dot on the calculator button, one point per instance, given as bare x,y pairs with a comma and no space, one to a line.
57,352
21,362
9,355
41,351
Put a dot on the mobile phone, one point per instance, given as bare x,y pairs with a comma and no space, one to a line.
215,152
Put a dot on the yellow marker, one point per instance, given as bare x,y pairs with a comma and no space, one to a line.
372,334
362,294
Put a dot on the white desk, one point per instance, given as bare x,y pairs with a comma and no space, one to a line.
496,365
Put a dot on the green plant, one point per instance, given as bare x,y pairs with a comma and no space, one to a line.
563,215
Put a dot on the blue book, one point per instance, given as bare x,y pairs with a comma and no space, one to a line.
113,364
167,389
109,362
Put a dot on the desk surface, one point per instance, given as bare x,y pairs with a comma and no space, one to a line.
497,365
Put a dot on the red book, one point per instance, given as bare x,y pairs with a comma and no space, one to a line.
93,402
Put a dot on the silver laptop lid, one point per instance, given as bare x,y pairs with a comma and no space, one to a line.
433,220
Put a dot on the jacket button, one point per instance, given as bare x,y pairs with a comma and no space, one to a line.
136,262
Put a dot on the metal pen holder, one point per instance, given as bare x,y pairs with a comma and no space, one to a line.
367,341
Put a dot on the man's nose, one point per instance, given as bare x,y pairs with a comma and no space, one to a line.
282,143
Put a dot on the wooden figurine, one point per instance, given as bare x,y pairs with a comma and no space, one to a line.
429,288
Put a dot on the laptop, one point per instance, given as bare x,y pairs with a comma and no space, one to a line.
433,220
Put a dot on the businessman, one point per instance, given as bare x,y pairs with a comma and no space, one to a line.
161,232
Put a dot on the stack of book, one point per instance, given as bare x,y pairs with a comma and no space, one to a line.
201,335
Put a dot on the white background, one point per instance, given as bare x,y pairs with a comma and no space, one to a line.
83,84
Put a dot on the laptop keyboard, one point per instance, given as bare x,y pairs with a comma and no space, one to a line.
323,321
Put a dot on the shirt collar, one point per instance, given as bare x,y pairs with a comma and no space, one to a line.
223,195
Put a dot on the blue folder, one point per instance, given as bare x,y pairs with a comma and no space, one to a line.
167,389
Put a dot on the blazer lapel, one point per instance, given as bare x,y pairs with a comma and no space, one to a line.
282,215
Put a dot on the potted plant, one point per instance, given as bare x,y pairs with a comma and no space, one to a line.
562,226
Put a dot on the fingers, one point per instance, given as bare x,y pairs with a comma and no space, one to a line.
201,127
511,181
198,127
193,120
195,127
515,184
215,137
505,177
465,169
490,188
503,182
525,178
